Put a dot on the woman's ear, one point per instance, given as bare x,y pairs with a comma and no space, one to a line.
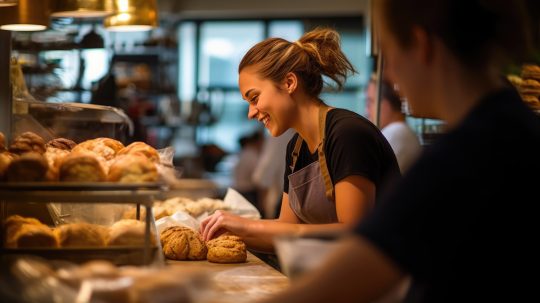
290,82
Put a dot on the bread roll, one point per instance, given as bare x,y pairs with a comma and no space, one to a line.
182,243
141,148
128,232
27,142
54,158
81,167
103,147
5,160
61,143
81,235
226,249
29,167
21,232
132,169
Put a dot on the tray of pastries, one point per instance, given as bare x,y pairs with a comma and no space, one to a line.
123,242
30,163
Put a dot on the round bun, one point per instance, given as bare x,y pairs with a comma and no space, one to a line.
104,147
28,232
26,143
141,148
226,249
81,235
128,232
29,167
61,143
5,160
182,243
81,167
132,169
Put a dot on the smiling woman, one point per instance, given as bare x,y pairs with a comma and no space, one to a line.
330,183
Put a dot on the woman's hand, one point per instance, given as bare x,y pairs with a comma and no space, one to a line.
220,222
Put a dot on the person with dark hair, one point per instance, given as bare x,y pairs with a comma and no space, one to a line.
336,164
392,123
462,221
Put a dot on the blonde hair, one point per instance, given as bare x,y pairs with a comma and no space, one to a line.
316,53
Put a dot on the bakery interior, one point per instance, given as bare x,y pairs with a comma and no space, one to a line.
122,126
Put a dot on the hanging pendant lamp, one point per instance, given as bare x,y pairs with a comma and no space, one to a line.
81,8
132,15
29,15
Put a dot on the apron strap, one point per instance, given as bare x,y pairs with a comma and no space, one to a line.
329,187
322,159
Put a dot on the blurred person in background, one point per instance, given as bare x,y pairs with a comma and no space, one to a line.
337,163
462,221
269,171
392,123
250,152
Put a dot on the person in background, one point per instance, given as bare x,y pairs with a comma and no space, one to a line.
248,157
337,163
269,171
392,123
463,220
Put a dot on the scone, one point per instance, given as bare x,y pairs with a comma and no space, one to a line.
29,167
128,232
81,167
141,148
61,143
182,243
54,158
81,235
132,169
27,142
104,147
5,160
21,232
226,249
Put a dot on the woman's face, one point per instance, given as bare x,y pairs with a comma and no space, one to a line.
404,66
268,103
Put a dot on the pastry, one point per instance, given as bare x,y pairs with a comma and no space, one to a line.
81,235
141,148
81,167
61,143
103,147
226,249
27,142
54,157
27,232
182,243
128,232
530,87
132,169
29,167
5,160
530,71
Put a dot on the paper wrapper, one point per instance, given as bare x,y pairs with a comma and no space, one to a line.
235,202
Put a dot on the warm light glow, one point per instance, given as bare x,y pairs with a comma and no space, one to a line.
81,8
23,27
132,16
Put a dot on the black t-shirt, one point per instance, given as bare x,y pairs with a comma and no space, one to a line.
462,222
354,146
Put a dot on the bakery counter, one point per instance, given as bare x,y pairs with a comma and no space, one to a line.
239,282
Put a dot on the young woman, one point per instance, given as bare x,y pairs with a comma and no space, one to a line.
462,221
337,162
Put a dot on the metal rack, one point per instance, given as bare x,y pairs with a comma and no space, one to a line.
139,194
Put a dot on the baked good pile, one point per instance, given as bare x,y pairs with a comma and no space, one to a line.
28,158
528,85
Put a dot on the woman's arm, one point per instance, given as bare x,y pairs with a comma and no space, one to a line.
354,198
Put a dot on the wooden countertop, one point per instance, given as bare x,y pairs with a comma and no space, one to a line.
241,282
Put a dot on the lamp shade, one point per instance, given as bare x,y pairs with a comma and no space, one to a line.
132,15
29,15
81,8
